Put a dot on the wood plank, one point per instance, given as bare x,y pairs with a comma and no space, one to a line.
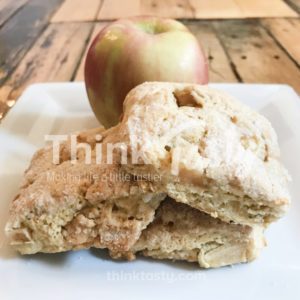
255,54
19,33
53,57
265,8
77,10
167,8
216,9
230,9
3,110
295,4
219,65
286,32
114,9
4,107
200,9
5,102
8,8
80,71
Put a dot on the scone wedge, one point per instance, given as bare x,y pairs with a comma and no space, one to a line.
213,152
74,206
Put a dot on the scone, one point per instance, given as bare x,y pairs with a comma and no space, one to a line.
74,206
213,152
183,233
68,207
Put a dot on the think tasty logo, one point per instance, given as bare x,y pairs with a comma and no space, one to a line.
176,144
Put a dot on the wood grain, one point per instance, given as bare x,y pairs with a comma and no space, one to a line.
77,10
167,8
216,9
256,55
54,57
19,33
287,33
114,9
295,4
5,102
8,8
80,71
200,9
265,8
230,9
219,66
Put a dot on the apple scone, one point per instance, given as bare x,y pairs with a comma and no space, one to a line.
69,206
189,173
73,206
213,152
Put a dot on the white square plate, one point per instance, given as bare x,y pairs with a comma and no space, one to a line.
59,108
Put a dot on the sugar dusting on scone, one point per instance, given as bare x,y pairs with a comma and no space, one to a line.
51,216
74,206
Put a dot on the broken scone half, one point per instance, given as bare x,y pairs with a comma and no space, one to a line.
69,206
213,152
184,233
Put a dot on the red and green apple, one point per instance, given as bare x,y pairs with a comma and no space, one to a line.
131,51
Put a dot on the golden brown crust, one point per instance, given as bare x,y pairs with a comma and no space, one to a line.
55,214
72,206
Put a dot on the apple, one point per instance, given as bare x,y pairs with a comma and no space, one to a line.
131,51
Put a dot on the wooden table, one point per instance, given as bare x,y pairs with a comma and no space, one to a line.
245,40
